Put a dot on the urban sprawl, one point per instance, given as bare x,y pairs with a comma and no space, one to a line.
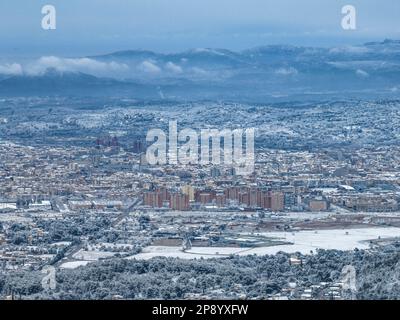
76,189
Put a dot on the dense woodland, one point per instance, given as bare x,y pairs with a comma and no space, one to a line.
378,274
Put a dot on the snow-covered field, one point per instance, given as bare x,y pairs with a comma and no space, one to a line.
340,239
73,264
302,241
84,257
92,255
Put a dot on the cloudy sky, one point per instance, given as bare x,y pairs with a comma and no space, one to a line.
87,27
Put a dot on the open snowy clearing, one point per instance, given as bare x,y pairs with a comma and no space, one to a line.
73,264
302,241
92,255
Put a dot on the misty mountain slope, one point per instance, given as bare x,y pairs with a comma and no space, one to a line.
70,84
267,72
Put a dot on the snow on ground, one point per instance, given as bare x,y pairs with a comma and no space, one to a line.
304,215
176,252
92,255
115,245
73,264
6,217
84,257
340,239
61,243
302,241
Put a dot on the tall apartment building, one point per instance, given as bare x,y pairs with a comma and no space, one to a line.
179,201
189,191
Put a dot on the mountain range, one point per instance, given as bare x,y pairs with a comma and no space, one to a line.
273,72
